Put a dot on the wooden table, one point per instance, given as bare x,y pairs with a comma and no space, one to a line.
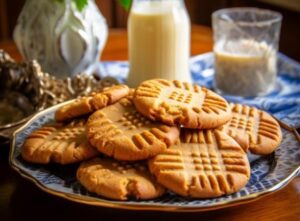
22,200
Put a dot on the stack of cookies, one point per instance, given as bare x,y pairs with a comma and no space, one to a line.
137,143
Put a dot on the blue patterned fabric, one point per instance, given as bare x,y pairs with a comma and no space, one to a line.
283,102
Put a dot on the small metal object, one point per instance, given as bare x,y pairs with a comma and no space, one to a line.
25,90
20,93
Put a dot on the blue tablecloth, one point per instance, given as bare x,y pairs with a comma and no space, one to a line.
283,102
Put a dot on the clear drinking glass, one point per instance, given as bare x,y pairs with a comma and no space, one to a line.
245,50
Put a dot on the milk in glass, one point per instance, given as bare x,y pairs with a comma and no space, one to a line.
159,41
245,67
245,50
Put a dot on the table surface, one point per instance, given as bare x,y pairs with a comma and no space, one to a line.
20,199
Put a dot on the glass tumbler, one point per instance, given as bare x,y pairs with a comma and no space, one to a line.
245,50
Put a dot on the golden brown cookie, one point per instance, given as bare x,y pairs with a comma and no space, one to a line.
203,164
118,180
253,129
121,132
95,101
175,102
63,144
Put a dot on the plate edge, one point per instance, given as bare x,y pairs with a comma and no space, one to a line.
120,205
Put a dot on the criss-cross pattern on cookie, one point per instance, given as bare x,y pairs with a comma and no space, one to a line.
175,102
58,143
253,129
203,164
123,133
132,120
95,101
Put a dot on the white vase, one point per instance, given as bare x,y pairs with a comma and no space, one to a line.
64,40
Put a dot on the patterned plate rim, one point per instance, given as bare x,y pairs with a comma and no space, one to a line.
135,206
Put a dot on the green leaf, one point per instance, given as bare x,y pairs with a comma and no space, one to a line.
125,4
80,4
60,1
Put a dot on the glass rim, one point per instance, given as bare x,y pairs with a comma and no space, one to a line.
275,16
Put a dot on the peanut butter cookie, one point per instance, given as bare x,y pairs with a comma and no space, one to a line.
118,180
59,143
203,164
175,102
253,129
121,132
86,105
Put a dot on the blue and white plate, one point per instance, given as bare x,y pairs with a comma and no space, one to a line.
268,174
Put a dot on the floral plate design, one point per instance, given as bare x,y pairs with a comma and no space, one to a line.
268,174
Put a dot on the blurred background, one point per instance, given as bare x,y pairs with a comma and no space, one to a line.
199,11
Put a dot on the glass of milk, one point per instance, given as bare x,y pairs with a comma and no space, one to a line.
245,50
159,41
